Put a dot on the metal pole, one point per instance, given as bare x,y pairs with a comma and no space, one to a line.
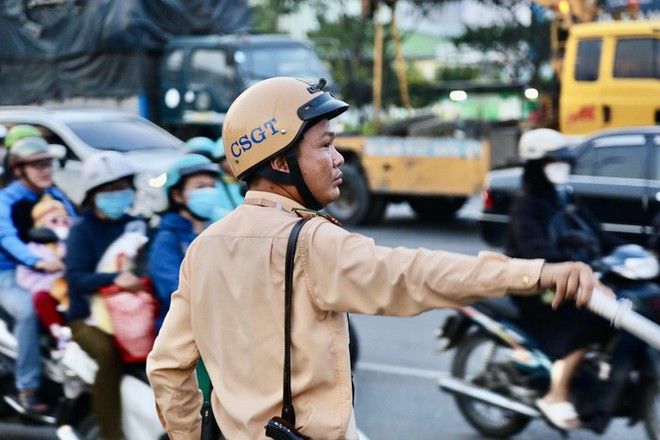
378,66
400,63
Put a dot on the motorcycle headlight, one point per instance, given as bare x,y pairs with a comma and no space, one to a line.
643,268
633,262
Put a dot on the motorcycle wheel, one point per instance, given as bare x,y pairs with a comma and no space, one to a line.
476,355
652,412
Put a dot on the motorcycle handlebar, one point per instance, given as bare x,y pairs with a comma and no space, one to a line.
621,315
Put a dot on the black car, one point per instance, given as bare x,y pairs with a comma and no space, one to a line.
617,175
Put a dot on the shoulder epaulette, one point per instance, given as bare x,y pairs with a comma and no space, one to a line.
313,213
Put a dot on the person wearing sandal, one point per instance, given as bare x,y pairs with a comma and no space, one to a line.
547,222
231,308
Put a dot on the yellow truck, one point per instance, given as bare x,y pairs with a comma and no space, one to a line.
435,175
610,76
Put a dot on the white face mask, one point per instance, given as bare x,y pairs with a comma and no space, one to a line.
557,172
62,232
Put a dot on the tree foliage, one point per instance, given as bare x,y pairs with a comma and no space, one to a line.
347,43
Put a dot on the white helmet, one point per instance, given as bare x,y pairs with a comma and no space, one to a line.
105,167
543,142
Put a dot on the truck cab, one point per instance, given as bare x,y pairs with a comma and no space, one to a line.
202,75
611,76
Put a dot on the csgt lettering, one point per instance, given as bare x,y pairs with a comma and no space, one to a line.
256,136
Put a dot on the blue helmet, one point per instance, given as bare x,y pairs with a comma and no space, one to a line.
189,165
204,146
220,148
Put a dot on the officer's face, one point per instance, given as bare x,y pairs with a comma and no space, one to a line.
319,162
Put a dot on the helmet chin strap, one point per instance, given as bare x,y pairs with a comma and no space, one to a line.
293,177
31,184
299,181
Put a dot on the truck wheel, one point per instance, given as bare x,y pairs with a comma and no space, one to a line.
356,205
436,208
376,212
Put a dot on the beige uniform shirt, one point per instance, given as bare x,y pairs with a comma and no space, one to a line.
229,309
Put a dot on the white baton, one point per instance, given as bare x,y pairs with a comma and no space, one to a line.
621,315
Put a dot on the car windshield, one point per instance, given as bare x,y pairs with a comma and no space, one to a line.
300,61
123,135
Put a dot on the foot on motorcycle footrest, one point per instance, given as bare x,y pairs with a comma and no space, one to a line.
561,415
31,403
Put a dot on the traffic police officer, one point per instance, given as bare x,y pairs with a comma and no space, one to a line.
229,305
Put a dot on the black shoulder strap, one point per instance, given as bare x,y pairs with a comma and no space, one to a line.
288,413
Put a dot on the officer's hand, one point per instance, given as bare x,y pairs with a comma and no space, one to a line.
51,265
128,282
569,279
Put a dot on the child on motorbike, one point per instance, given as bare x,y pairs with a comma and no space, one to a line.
547,222
49,290
109,193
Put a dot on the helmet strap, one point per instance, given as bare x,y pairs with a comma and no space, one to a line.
299,181
293,177
23,176
270,173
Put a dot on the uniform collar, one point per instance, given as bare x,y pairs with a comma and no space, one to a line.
271,200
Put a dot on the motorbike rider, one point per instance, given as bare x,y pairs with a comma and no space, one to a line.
190,188
547,221
109,193
231,191
29,164
229,304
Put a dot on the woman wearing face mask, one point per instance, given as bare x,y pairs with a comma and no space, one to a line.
231,192
109,194
547,221
192,197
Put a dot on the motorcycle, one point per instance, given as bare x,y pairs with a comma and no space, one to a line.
67,380
498,372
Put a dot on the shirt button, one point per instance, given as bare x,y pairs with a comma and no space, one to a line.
525,279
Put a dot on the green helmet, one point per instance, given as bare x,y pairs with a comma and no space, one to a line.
21,131
189,165
204,146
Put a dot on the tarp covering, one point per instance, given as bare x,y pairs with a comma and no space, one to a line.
54,49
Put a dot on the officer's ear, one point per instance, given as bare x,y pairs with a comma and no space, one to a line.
279,163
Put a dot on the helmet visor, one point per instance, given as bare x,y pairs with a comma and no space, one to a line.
564,154
210,168
33,149
323,106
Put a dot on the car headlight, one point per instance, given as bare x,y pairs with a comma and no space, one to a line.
203,101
